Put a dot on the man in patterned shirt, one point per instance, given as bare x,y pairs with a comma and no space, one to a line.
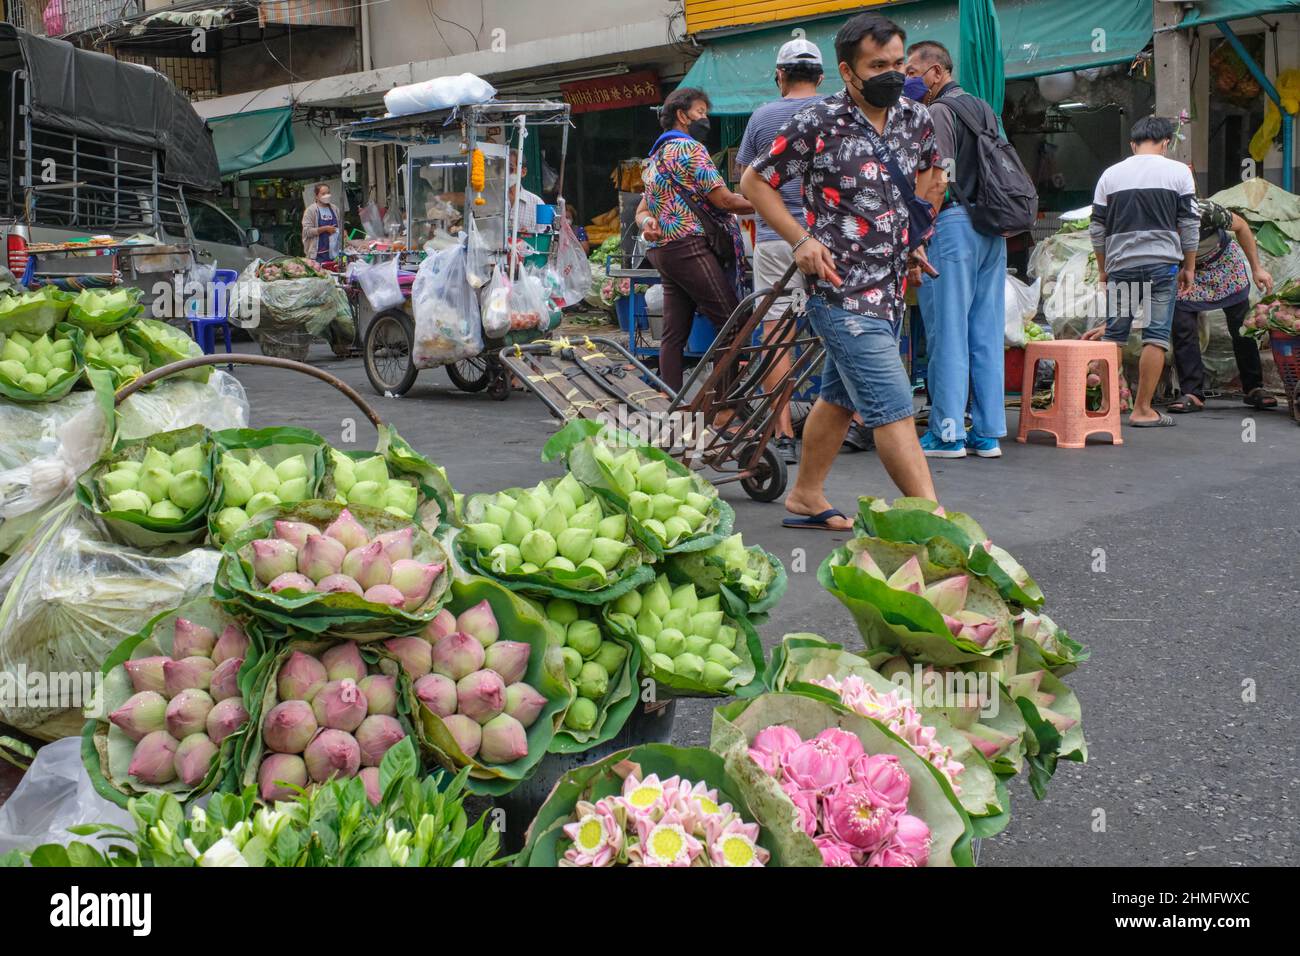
853,246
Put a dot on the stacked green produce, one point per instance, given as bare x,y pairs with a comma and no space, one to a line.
367,481
39,368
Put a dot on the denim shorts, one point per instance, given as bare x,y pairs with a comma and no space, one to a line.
863,370
1153,287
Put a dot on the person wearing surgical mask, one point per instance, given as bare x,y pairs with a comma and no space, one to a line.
320,226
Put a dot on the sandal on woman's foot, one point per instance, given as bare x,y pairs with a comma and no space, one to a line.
1260,398
1187,405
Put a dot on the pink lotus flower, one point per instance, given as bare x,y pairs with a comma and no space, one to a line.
856,816
699,807
771,744
913,838
597,835
885,778
890,856
849,746
816,765
834,853
737,845
664,843
642,798
806,804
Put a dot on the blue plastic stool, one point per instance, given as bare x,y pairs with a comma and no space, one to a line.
204,327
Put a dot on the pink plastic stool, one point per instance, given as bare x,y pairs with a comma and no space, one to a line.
1068,418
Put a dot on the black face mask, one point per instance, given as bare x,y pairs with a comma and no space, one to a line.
699,129
882,90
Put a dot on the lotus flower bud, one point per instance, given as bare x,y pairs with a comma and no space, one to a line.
538,547
949,595
561,563
130,500
695,644
524,703
414,654
509,659
726,636
233,642
338,584
369,493
153,483
190,672
261,502
479,623
375,735
467,733
142,714
706,623
481,695
671,642
192,640
908,577
647,645
272,558
340,705
343,661
156,458
380,691
664,506
715,675
708,604
348,530
292,581
611,657
370,777
399,545
572,662
118,480
193,759
505,559
608,552
225,679
373,468
289,726
332,753
262,476
152,761
614,527
236,485
663,662
561,611
678,619
300,677
295,532
278,774
290,468
443,623
188,489
657,599
385,594
584,637
187,713
321,556
368,565
721,655
582,714
485,536
588,516
146,673
165,511
498,513
692,517
414,580
648,623
438,693
592,681
641,506
457,655
690,666
516,528
504,740
225,718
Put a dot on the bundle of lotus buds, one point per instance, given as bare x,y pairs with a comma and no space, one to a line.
948,595
591,661
367,482
250,487
160,485
37,364
670,506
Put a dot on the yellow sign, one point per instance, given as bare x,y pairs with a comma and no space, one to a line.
704,15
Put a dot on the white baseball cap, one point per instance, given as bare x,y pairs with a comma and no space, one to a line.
797,51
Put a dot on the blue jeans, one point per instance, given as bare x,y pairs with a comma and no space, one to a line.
965,327
863,370
1152,287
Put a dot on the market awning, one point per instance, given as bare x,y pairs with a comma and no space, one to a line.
251,139
1038,37
1212,11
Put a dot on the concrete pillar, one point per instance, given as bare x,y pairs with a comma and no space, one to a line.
1173,71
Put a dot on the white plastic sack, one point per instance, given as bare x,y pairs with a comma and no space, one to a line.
654,299
438,93
478,265
379,282
53,796
572,265
1020,306
447,324
176,403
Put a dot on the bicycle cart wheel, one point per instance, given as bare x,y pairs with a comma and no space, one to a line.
389,366
470,375
770,481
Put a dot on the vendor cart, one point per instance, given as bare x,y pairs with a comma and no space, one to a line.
443,198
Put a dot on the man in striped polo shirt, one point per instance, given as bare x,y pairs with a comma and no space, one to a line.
1145,231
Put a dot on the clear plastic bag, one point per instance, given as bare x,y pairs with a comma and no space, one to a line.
478,265
528,304
496,305
572,265
447,324
379,282
1021,306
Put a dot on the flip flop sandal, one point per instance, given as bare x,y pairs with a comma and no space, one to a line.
1186,406
1163,421
817,522
1261,399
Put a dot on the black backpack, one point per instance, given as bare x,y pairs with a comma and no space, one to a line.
1005,201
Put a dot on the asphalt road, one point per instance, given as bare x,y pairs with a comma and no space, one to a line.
1190,699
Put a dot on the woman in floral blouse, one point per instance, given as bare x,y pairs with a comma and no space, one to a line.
682,184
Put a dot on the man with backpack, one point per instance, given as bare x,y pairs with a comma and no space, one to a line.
984,196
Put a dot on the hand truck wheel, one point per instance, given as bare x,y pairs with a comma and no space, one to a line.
769,482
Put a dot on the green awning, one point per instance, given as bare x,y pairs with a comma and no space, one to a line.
1038,37
250,139
1212,11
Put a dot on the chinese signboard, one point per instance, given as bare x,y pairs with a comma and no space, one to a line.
712,14
612,92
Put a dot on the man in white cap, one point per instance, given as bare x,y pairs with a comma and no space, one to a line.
798,72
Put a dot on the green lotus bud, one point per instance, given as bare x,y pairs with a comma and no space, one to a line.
584,637
230,521
130,500
588,516
570,488
117,480
690,666
13,352
528,506
552,522
127,465
292,491
260,502
554,634
236,486
561,611
528,568
658,597
706,623
562,505
262,477
402,495
663,662
165,511
640,505
485,536
677,529
656,528
712,602
369,493
723,656
629,603
697,645
625,481
572,662
517,527
153,482
679,618
582,714
42,345
592,681
701,503
715,676
608,552
726,637
373,469
495,515
647,645
290,468
13,370
652,477
560,563
189,458
537,547
679,486
594,566
685,597
692,517
54,376
671,642
575,544
40,365
664,507
345,475
505,501
611,656
602,453
648,623
615,527
187,489
63,361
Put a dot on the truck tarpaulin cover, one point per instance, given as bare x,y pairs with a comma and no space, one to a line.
95,95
